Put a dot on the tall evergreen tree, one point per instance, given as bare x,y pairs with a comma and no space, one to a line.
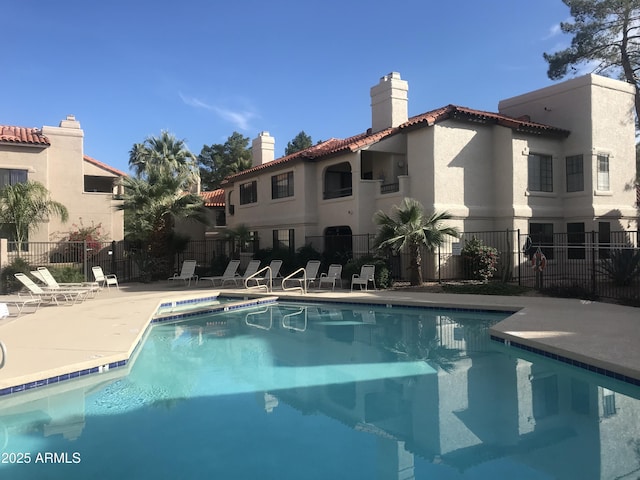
221,160
299,142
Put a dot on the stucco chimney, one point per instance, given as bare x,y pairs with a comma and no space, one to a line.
263,149
69,122
389,102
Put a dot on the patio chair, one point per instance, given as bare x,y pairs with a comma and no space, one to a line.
20,303
51,295
310,275
43,274
187,272
230,273
333,275
252,268
275,266
366,275
102,279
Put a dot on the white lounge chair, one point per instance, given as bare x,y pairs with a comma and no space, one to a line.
45,275
366,275
51,295
310,275
102,279
187,272
333,275
20,303
252,268
275,266
230,273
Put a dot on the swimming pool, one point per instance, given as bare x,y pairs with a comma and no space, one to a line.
326,391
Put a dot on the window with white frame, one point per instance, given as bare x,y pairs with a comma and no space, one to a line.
603,173
540,173
575,173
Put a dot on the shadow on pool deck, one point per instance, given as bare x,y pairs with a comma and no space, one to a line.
57,340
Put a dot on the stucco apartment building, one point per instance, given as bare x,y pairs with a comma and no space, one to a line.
54,156
557,159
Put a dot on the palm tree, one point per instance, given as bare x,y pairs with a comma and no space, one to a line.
160,193
409,228
151,209
23,206
159,156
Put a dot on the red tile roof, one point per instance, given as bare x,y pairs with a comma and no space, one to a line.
454,112
214,198
23,136
104,166
335,146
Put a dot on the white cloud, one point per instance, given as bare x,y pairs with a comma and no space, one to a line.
554,31
240,118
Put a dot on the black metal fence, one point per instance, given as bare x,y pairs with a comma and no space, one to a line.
596,264
593,263
113,257
584,262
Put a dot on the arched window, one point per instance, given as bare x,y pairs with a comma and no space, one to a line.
337,181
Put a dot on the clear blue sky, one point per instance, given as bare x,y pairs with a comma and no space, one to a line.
128,69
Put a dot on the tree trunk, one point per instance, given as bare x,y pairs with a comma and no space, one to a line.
416,266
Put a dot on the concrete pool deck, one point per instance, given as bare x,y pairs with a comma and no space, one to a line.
57,340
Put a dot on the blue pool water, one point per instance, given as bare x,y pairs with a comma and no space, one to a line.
290,391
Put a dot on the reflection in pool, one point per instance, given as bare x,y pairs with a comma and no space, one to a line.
327,391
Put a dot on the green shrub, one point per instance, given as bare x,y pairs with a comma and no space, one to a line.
480,260
288,259
622,266
67,274
9,283
218,265
382,276
306,253
570,291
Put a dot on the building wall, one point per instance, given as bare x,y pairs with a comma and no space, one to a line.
478,172
599,112
61,167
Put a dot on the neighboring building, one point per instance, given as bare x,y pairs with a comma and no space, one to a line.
559,159
214,204
54,156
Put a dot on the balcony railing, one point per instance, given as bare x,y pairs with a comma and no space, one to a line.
390,188
337,193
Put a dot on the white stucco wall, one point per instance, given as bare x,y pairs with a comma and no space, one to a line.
61,169
476,171
599,112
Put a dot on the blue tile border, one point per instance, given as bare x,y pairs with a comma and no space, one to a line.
568,361
59,378
207,309
506,311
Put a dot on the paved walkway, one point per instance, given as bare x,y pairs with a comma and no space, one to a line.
58,340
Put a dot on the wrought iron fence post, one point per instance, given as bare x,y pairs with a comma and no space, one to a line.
113,257
593,262
439,269
85,259
519,259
